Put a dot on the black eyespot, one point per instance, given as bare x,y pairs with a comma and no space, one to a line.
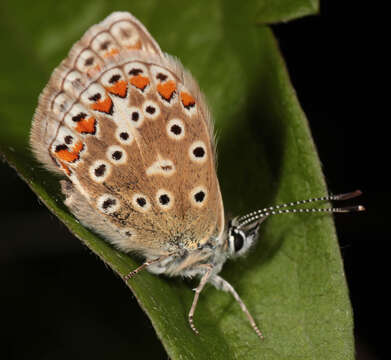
79,116
135,116
114,79
135,72
108,203
199,152
95,97
105,45
61,147
141,201
89,61
199,197
117,155
176,129
124,136
161,76
100,170
150,109
125,33
164,199
76,83
238,241
68,139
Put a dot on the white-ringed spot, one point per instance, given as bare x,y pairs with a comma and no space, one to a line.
116,154
73,82
163,167
164,199
115,83
165,85
61,104
104,45
197,152
125,33
141,202
68,139
99,171
198,196
151,110
175,129
124,136
89,63
108,204
96,98
136,116
188,102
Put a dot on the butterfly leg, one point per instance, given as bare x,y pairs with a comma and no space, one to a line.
144,265
197,290
224,285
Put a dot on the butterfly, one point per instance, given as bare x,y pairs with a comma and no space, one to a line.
129,130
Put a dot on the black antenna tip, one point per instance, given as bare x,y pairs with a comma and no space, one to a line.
349,195
352,208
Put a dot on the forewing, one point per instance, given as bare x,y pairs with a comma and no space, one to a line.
129,128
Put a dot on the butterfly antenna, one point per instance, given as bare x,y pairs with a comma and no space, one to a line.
289,208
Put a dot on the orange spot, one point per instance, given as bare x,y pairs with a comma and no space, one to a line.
118,89
78,147
105,106
69,155
136,46
139,81
166,89
187,100
111,52
65,168
86,126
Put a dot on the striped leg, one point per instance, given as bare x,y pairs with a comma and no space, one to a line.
197,290
144,265
224,285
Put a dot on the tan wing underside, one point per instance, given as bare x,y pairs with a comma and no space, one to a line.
85,127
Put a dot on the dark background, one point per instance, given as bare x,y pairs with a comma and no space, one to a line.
327,58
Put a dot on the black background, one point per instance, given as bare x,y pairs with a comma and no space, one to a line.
330,58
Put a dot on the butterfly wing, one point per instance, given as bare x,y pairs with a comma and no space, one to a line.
129,128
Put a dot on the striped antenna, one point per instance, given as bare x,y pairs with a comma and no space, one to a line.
282,208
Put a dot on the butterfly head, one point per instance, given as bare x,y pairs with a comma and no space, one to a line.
241,238
243,230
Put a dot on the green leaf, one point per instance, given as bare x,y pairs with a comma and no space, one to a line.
273,11
293,281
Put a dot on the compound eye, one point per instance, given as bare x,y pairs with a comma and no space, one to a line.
238,241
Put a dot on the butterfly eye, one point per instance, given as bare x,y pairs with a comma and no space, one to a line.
241,239
238,241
